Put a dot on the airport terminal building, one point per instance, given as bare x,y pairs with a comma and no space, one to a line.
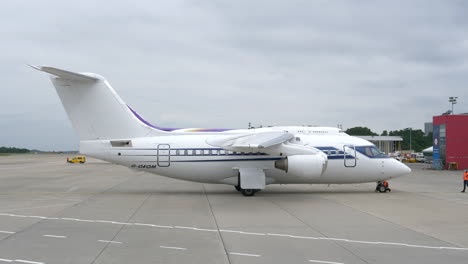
450,140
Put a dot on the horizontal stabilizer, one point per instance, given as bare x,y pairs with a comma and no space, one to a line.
68,75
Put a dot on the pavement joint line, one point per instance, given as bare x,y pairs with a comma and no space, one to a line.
6,260
326,262
315,229
178,248
109,241
54,236
219,234
244,254
121,227
7,232
253,233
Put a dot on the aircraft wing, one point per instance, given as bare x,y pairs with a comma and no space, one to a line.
273,143
257,140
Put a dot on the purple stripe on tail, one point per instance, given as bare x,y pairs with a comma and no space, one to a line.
147,123
172,129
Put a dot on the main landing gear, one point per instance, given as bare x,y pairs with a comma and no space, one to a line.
246,192
382,186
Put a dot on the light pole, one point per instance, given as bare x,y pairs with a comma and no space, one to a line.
410,129
453,100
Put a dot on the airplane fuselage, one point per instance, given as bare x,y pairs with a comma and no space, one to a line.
188,156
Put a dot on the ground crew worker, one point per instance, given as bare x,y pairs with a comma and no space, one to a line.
385,184
465,180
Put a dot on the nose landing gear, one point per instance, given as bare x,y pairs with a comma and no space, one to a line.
382,186
246,192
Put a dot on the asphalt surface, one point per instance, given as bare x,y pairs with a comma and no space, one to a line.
54,212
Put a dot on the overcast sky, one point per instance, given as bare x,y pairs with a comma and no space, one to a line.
386,65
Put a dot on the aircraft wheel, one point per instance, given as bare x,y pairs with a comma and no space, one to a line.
382,189
248,192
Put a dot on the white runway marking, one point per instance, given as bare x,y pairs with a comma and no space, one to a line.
28,261
244,254
326,262
54,236
151,225
108,241
242,232
196,229
248,233
7,232
179,248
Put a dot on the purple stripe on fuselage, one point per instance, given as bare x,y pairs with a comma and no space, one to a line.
214,130
172,129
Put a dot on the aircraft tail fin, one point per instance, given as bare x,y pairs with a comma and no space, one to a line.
94,108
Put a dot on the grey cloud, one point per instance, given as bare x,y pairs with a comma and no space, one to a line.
227,63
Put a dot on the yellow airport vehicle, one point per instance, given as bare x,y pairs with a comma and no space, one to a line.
77,159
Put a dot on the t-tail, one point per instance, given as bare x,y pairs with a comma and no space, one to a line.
96,111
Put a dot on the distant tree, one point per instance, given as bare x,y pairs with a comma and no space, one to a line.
13,150
360,131
384,133
419,141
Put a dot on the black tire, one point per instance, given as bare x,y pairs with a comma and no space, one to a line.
382,189
237,188
248,192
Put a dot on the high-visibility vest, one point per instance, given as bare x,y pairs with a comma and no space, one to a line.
465,176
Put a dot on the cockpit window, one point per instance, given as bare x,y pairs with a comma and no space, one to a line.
371,152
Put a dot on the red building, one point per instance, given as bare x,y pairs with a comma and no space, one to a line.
451,140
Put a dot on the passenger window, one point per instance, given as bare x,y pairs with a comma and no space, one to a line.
222,152
188,152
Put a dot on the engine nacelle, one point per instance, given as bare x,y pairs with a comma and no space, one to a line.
303,166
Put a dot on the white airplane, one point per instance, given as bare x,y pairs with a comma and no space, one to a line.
248,159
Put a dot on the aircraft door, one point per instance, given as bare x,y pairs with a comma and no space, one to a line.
349,156
164,155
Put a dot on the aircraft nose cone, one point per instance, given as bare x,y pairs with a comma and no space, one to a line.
399,169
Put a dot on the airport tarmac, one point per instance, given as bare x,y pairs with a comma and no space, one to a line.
54,212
